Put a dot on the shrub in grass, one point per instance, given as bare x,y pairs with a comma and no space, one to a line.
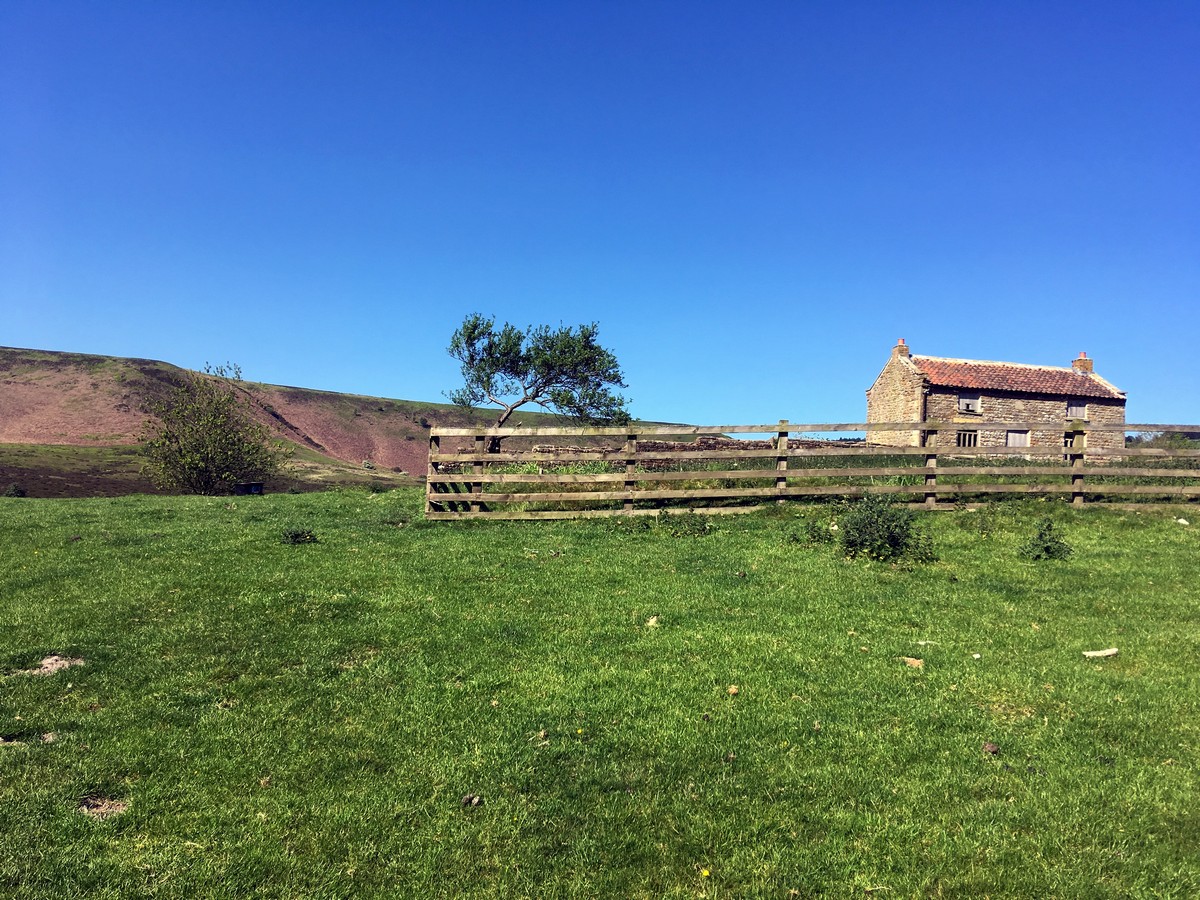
877,529
14,490
299,536
1046,543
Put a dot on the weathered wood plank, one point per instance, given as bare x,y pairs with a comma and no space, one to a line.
701,493
873,472
1145,451
506,456
1004,488
999,471
1166,428
640,476
729,474
609,456
863,450
797,428
1122,472
516,515
597,496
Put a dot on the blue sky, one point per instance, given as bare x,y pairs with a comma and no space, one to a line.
754,201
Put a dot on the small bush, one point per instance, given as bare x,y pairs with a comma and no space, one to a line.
298,536
877,529
204,439
1046,543
14,490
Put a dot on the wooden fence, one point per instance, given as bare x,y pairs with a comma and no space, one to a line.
555,473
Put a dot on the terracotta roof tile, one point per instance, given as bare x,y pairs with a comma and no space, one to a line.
1014,377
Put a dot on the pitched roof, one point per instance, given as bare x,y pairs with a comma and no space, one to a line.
1015,377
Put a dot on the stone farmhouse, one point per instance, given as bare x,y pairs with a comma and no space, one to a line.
969,392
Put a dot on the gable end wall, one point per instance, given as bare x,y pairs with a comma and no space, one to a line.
896,396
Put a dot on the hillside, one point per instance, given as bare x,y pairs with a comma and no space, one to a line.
89,407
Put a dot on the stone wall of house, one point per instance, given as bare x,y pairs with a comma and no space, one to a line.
942,405
896,396
1106,412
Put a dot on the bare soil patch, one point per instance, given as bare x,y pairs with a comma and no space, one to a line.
52,664
102,807
27,737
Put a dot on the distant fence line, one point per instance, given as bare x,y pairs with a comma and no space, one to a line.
573,472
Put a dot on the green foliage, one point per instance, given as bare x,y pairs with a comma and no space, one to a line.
878,529
1165,440
14,490
231,371
298,536
563,370
1046,543
205,440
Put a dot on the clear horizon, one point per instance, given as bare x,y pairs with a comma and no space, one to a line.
753,203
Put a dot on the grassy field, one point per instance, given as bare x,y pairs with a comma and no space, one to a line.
60,471
412,709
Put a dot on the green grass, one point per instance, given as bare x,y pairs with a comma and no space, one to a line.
304,720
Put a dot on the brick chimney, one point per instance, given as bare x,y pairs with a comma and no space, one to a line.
1083,365
901,348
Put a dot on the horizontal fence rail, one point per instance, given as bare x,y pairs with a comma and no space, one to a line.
564,472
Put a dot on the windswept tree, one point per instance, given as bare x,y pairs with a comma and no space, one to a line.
204,439
563,370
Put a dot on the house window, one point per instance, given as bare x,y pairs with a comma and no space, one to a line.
1017,439
966,439
1076,409
969,403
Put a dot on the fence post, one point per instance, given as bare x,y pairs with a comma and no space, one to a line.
431,486
931,471
630,469
477,467
781,447
1078,449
